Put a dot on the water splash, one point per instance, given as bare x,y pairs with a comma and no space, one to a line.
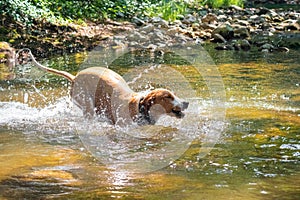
130,148
20,116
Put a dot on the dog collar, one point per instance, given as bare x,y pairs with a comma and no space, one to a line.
143,115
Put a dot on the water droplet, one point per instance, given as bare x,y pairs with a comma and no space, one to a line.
26,98
264,192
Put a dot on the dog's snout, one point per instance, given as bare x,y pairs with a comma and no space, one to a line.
185,105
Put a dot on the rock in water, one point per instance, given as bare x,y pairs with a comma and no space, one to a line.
225,30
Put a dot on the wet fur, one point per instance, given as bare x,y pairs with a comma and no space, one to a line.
101,91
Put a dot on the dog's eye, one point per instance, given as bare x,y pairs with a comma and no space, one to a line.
168,96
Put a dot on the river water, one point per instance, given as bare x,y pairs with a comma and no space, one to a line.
48,151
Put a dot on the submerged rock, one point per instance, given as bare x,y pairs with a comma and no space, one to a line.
291,40
224,47
39,184
282,49
267,46
272,48
242,45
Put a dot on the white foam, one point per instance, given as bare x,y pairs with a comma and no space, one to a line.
133,147
20,116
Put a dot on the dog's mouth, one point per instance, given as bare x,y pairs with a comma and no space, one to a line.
178,113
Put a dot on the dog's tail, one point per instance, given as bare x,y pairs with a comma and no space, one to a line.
64,74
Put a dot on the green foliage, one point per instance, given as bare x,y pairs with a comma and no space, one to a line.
94,9
174,9
219,3
168,10
26,11
71,10
126,8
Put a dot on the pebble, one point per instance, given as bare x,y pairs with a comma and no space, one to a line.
242,45
267,46
189,19
218,38
148,28
210,18
138,21
161,23
225,30
241,32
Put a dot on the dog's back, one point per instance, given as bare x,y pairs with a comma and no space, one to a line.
100,90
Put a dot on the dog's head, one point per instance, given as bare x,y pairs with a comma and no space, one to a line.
162,101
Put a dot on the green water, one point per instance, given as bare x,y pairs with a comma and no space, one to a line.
256,157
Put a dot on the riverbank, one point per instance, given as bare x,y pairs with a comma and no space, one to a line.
233,28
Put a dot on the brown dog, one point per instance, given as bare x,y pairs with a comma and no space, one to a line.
104,92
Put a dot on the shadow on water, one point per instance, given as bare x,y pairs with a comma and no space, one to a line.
257,157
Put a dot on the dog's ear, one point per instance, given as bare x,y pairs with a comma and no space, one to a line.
146,103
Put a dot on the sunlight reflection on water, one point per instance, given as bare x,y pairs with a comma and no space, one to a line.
257,157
